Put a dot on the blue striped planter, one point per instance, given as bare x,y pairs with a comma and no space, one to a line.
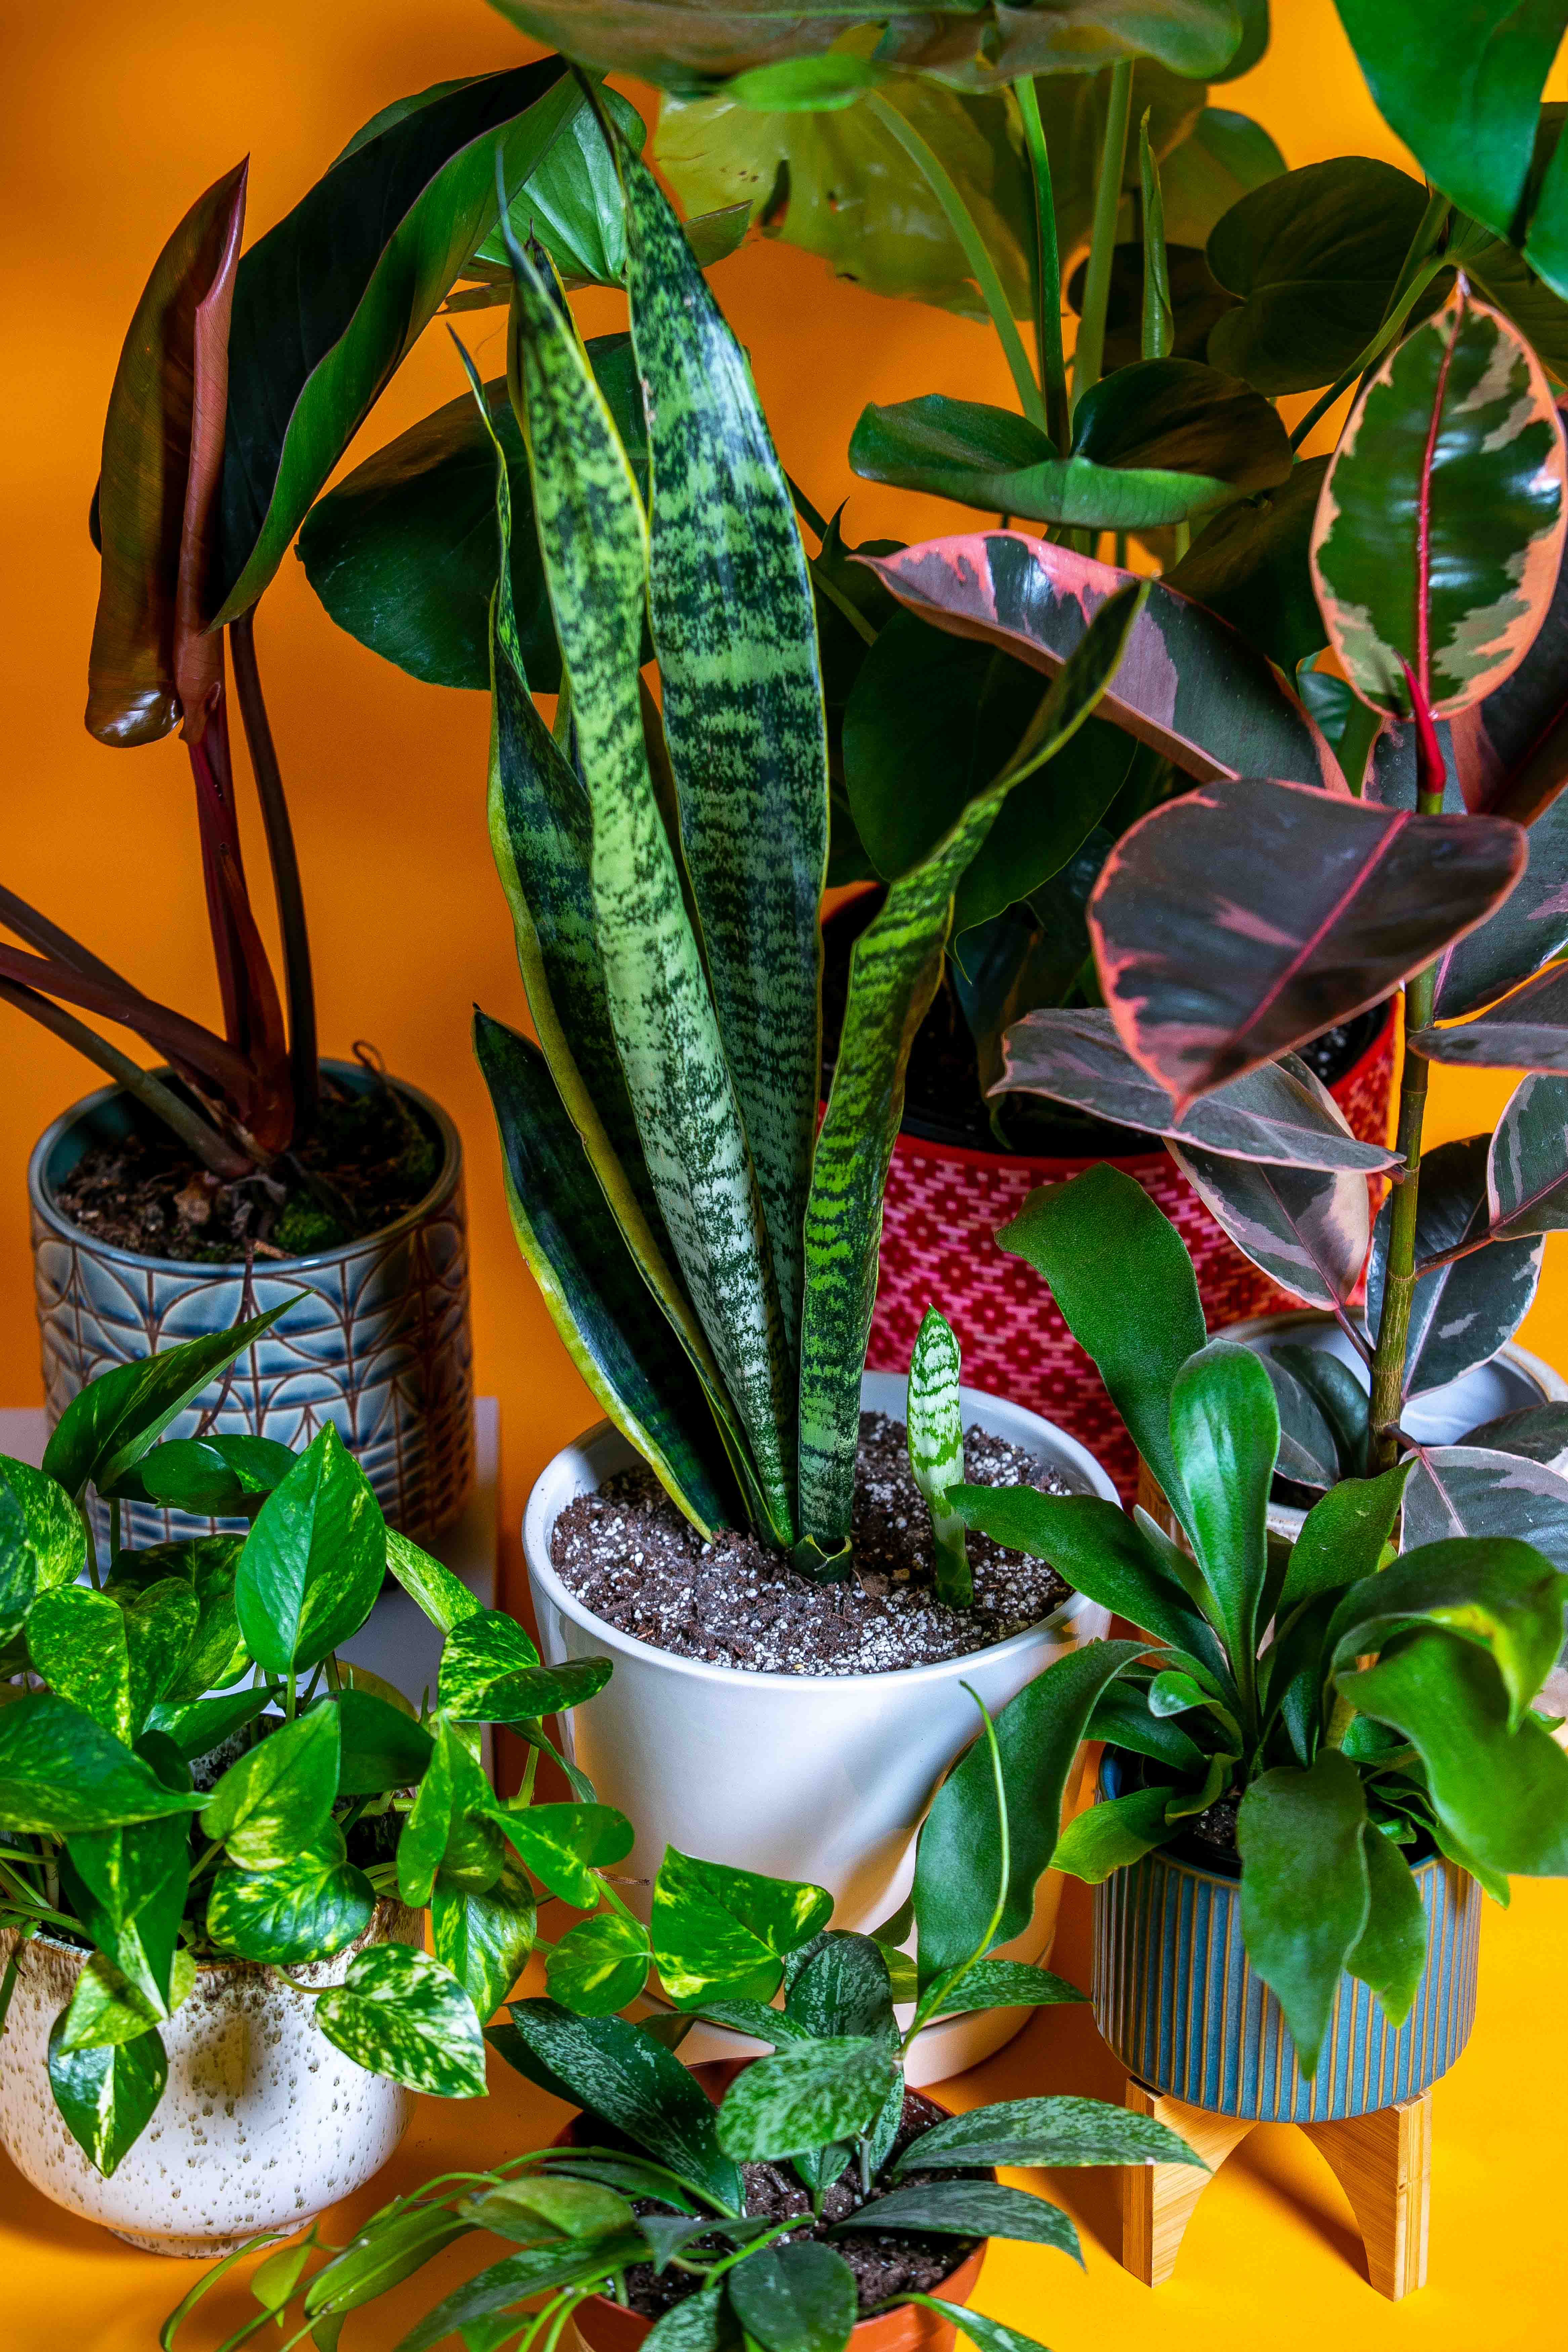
1177,2000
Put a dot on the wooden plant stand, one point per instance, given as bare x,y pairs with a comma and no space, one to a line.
1383,2161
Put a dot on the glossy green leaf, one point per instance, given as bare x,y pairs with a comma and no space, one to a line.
112,1423
798,2298
1124,1285
314,1561
718,1930
970,2208
1390,1953
484,1938
844,1989
1304,1887
1250,565
934,1421
1049,2131
539,2206
108,2007
382,2257
1113,1833
599,1965
986,2335
1343,1536
107,2093
127,1888
442,1597
114,1655
1440,528
198,1725
1197,299
277,1799
304,1909
804,2095
216,1655
381,1746
1006,1984
1461,1313
401,2013
572,200
1498,1593
449,1827
61,1772
215,1476
701,2323
1340,1395
564,1844
311,350
51,1529
1224,1433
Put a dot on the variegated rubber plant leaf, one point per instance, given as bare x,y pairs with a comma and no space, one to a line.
893,976
594,539
735,632
934,1420
1440,523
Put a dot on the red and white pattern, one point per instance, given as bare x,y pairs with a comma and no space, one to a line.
942,1209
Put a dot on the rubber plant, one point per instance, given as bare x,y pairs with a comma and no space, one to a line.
1357,1703
666,2198
708,1256
1246,914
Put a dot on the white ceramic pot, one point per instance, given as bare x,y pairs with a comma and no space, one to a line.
262,2123
823,1777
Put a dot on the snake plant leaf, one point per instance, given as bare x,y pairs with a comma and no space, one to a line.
1461,1313
402,552
1527,1163
934,1422
613,1328
163,448
1305,1893
1307,1229
311,349
1440,528
117,1417
893,975
1313,256
1527,1030
1190,688
1156,443
1279,1115
1477,1490
1250,565
1237,922
731,603
594,541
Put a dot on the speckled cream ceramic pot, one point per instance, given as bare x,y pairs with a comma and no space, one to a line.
262,2123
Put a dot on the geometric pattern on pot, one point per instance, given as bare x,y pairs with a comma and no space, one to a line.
942,1208
1182,2007
376,1337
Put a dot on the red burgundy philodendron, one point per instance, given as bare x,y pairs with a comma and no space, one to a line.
1254,909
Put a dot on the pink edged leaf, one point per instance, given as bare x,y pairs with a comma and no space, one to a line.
1527,1030
1440,524
1188,684
1307,1228
1527,1166
1281,1113
163,454
1476,1490
1512,748
1234,923
1470,1294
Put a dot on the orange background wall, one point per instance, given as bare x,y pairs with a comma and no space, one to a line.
116,117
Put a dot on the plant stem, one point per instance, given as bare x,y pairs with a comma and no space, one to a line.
113,1530
304,1069
1088,359
205,1142
8,1985
961,224
1049,359
91,1550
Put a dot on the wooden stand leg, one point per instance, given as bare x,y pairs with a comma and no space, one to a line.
1383,2164
1157,2201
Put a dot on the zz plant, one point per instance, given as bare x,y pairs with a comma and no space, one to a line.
653,2175
1361,1707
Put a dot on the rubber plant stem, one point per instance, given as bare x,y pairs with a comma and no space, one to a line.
962,223
1088,359
1049,359
303,1055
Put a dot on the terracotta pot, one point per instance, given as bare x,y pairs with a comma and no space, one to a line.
941,1211
604,2326
377,1336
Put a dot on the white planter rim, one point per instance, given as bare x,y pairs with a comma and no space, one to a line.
536,1547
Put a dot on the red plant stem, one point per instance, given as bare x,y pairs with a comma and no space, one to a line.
219,828
299,984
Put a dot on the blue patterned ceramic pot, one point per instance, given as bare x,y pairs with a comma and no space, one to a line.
1180,2004
376,1338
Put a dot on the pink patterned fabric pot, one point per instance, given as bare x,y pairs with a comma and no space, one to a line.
942,1209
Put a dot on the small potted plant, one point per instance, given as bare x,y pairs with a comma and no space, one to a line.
1326,1752
673,2209
220,1841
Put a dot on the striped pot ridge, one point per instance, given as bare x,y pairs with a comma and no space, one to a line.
1180,2004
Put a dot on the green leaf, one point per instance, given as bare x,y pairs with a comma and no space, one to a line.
1053,2131
1124,1285
310,348
795,2298
51,1528
127,1888
565,2209
1111,1835
107,2008
61,1774
718,1930
935,1428
572,200
1461,1313
1250,565
1225,155
1440,527
401,2013
450,1827
1343,1536
1536,1433
1225,1434
1501,1794
491,1674
443,1598
484,1939
980,2209
1304,1887
216,1476
844,1989
313,1562
112,1423
388,2252
1390,1954
1005,1984
599,1965
958,1862
700,2324
277,1800
217,1655
628,2079
1496,1592
806,2094
380,1747
112,1655
565,1844
731,606
198,1725
1314,256
303,1909
893,974
107,2093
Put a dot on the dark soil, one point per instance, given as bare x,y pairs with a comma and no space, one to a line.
942,1101
370,1157
886,2263
1215,1827
631,1557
